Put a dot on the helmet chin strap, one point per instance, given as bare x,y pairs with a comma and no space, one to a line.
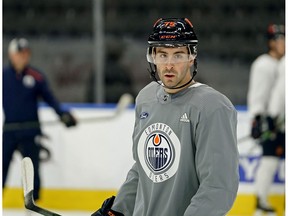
152,72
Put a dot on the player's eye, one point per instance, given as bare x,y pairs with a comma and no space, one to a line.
178,56
162,55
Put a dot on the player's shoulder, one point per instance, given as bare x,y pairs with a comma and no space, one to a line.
6,69
264,65
264,59
207,98
148,93
35,73
152,86
8,72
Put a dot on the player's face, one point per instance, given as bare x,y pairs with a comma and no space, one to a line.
278,47
173,66
20,59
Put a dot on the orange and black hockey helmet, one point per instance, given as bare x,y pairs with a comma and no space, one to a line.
173,32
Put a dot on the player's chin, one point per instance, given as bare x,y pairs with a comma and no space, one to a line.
170,84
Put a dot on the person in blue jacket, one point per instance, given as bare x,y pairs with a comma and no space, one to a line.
23,86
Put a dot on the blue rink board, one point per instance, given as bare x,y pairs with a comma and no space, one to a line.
253,162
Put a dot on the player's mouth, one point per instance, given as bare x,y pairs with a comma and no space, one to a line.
169,75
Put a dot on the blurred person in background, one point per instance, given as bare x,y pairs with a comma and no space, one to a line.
184,139
23,86
266,98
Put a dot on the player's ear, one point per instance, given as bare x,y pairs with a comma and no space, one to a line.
191,59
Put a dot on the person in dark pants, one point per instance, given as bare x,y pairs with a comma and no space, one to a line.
23,85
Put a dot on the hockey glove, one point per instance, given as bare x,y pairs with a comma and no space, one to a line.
106,210
68,119
271,123
256,129
269,129
263,127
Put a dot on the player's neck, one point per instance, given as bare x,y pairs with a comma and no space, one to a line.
275,54
19,68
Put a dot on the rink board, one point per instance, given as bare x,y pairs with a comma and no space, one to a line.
75,178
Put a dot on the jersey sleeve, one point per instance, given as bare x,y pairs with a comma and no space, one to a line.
47,95
277,102
216,164
125,199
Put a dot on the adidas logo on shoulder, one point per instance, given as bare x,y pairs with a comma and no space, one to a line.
184,118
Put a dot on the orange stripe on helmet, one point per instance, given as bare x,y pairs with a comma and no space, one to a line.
188,21
157,22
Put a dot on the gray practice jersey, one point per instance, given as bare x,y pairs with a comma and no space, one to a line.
185,152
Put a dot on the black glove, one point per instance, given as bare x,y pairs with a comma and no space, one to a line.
68,119
271,123
269,129
106,210
256,130
263,127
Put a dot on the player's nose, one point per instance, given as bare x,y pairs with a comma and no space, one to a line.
169,64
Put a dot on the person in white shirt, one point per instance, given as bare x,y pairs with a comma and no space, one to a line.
266,107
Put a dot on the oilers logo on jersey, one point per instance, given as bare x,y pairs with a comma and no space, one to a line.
159,152
28,81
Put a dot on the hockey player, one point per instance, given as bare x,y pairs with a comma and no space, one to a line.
22,87
184,140
266,107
